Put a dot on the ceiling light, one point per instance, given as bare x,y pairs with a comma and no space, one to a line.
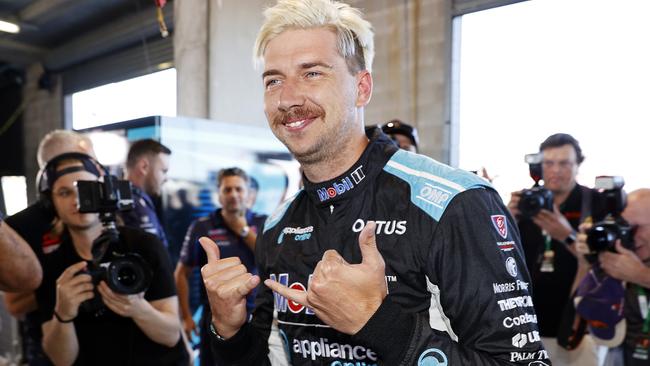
9,27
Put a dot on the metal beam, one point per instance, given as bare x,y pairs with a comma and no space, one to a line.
119,34
49,8
20,53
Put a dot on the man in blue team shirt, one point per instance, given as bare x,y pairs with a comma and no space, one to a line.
146,168
233,227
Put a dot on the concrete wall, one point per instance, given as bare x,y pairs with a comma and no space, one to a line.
411,67
43,113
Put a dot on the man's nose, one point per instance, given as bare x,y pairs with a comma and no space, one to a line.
291,96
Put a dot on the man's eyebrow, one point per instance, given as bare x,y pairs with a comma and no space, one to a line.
270,72
303,66
309,65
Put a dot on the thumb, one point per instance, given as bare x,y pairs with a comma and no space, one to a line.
622,250
211,249
368,245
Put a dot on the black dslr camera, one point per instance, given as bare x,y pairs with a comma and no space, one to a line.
607,204
127,272
536,198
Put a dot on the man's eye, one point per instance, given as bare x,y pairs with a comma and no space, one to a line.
272,82
313,74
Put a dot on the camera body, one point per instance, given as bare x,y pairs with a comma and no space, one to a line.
124,271
536,198
608,202
111,195
126,274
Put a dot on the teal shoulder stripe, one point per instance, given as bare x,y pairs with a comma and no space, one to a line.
279,212
433,184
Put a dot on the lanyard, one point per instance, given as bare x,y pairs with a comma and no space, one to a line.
547,242
643,308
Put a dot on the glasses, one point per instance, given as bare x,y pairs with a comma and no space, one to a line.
562,164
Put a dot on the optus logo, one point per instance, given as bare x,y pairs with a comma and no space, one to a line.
383,227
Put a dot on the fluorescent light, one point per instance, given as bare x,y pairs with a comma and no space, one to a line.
9,27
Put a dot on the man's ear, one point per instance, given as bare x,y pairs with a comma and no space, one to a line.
364,88
143,166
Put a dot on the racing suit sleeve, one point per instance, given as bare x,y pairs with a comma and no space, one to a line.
481,311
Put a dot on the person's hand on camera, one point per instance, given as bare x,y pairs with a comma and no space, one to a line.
554,223
363,286
581,245
128,306
513,205
72,288
227,282
624,265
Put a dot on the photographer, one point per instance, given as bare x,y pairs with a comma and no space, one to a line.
632,267
137,329
548,240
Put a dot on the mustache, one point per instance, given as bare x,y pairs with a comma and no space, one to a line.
297,113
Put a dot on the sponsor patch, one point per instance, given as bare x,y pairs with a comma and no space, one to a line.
515,302
506,246
526,356
299,233
313,349
500,288
511,266
433,357
500,224
519,340
342,186
383,227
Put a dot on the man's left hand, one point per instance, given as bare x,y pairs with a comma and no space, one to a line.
554,223
624,265
128,306
343,295
236,222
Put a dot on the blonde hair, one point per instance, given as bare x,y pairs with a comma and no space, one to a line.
58,142
354,34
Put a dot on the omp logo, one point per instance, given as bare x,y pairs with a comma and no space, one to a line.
515,302
344,185
301,233
383,227
526,318
281,302
314,349
519,340
434,195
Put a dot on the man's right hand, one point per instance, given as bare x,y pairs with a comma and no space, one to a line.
227,282
72,288
514,203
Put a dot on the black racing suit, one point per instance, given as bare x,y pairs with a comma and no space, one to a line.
455,270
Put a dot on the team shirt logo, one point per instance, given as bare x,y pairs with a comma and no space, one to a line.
500,223
344,185
511,266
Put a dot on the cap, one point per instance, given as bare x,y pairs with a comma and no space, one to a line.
600,301
398,127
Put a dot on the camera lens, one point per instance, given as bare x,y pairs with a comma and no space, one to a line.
601,238
129,275
531,202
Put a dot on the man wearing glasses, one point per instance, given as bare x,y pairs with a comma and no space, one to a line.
549,239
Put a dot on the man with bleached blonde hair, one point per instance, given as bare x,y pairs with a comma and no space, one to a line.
385,257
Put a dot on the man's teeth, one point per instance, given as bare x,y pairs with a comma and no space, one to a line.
296,124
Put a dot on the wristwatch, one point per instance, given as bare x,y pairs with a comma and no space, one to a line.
244,231
214,332
571,238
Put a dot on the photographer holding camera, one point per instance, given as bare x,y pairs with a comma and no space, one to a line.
548,218
633,267
126,328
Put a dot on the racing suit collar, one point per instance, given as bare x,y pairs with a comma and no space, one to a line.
363,172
